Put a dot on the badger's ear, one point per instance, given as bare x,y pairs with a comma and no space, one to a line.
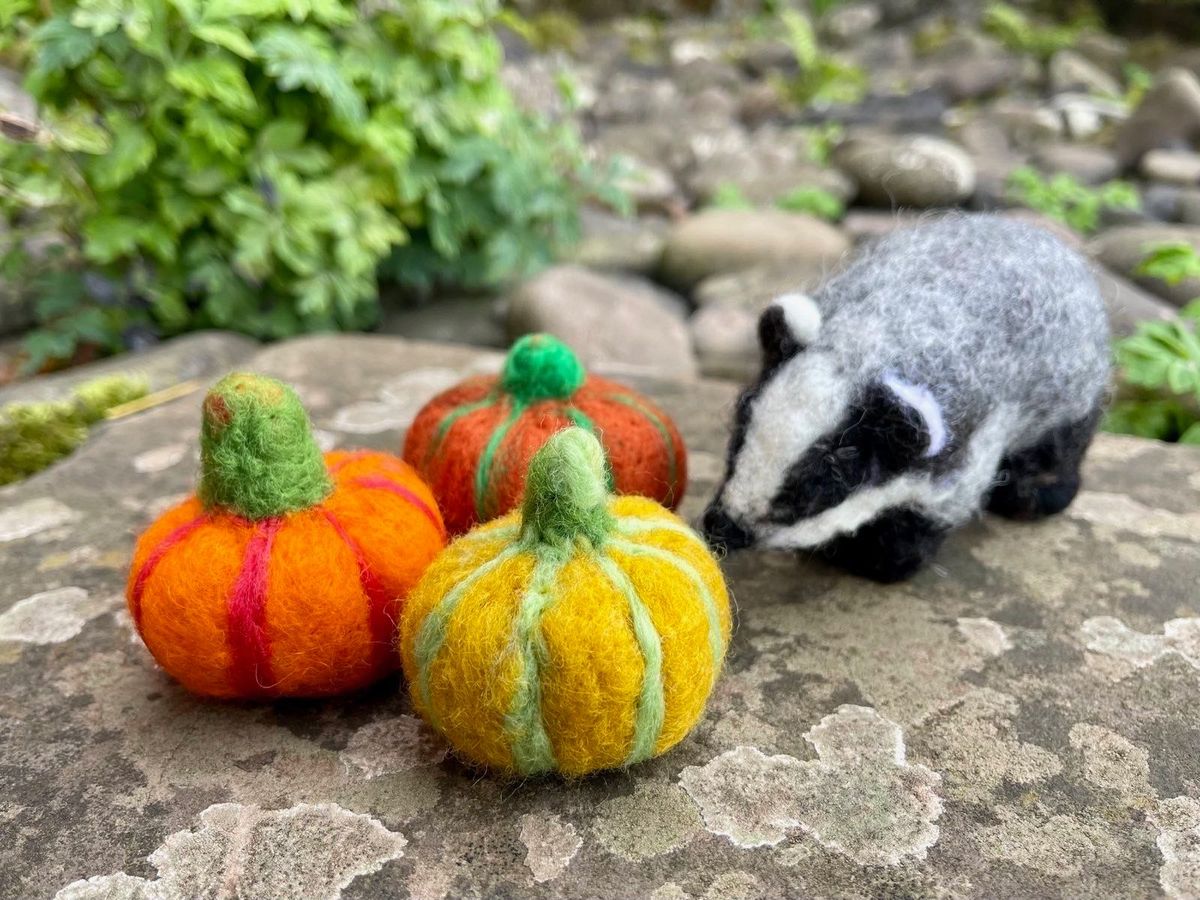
788,325
907,420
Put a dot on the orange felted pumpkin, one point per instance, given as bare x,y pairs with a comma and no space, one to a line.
473,442
284,575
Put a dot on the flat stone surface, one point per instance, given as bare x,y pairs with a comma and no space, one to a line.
1018,721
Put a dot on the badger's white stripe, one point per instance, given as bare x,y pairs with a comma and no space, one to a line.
926,406
802,315
859,509
951,501
806,399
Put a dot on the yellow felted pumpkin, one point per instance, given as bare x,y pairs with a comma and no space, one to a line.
582,632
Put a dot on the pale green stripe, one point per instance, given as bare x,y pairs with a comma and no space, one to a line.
651,707
483,471
632,526
447,423
433,630
715,642
532,750
663,432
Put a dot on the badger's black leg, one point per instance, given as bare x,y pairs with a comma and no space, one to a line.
890,548
1042,480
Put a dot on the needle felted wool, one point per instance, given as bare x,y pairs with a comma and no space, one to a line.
284,575
582,632
472,443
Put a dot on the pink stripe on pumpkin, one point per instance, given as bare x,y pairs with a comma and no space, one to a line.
248,640
379,601
156,556
383,484
350,458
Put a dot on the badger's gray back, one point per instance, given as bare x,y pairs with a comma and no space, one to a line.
982,309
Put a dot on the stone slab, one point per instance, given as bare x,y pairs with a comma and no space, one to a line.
1018,721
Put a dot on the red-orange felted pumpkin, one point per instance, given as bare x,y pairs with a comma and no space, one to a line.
284,575
473,442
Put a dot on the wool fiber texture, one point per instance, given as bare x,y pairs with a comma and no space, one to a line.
580,633
302,602
943,352
472,444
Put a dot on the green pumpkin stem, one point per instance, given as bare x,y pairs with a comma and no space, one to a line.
541,367
566,491
258,458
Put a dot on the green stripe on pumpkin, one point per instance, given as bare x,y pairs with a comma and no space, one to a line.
432,635
663,432
447,423
483,470
532,750
716,642
651,708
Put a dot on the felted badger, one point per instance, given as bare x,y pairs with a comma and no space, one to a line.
957,363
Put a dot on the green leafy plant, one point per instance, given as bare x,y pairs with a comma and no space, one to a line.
250,164
1021,34
823,77
34,435
1065,199
813,200
728,196
1159,364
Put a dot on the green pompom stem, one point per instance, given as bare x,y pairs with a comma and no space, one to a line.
566,492
541,367
258,458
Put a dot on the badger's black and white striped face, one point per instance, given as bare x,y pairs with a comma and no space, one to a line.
818,451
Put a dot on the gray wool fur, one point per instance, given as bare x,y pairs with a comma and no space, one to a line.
994,328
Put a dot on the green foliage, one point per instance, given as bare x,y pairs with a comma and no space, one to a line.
250,165
548,30
1162,361
34,435
728,196
1063,198
823,140
823,77
1172,262
1019,33
815,201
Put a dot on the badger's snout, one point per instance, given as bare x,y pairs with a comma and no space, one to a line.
722,532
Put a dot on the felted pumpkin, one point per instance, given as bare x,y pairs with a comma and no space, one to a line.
472,443
284,574
582,632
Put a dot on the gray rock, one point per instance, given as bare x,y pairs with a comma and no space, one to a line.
1027,123
718,241
970,66
613,323
753,289
1123,249
612,242
1107,51
871,224
725,341
651,188
199,356
627,97
847,24
1069,71
763,181
471,320
1085,162
879,737
1172,166
1188,208
759,102
911,170
1167,115
1164,203
1128,305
